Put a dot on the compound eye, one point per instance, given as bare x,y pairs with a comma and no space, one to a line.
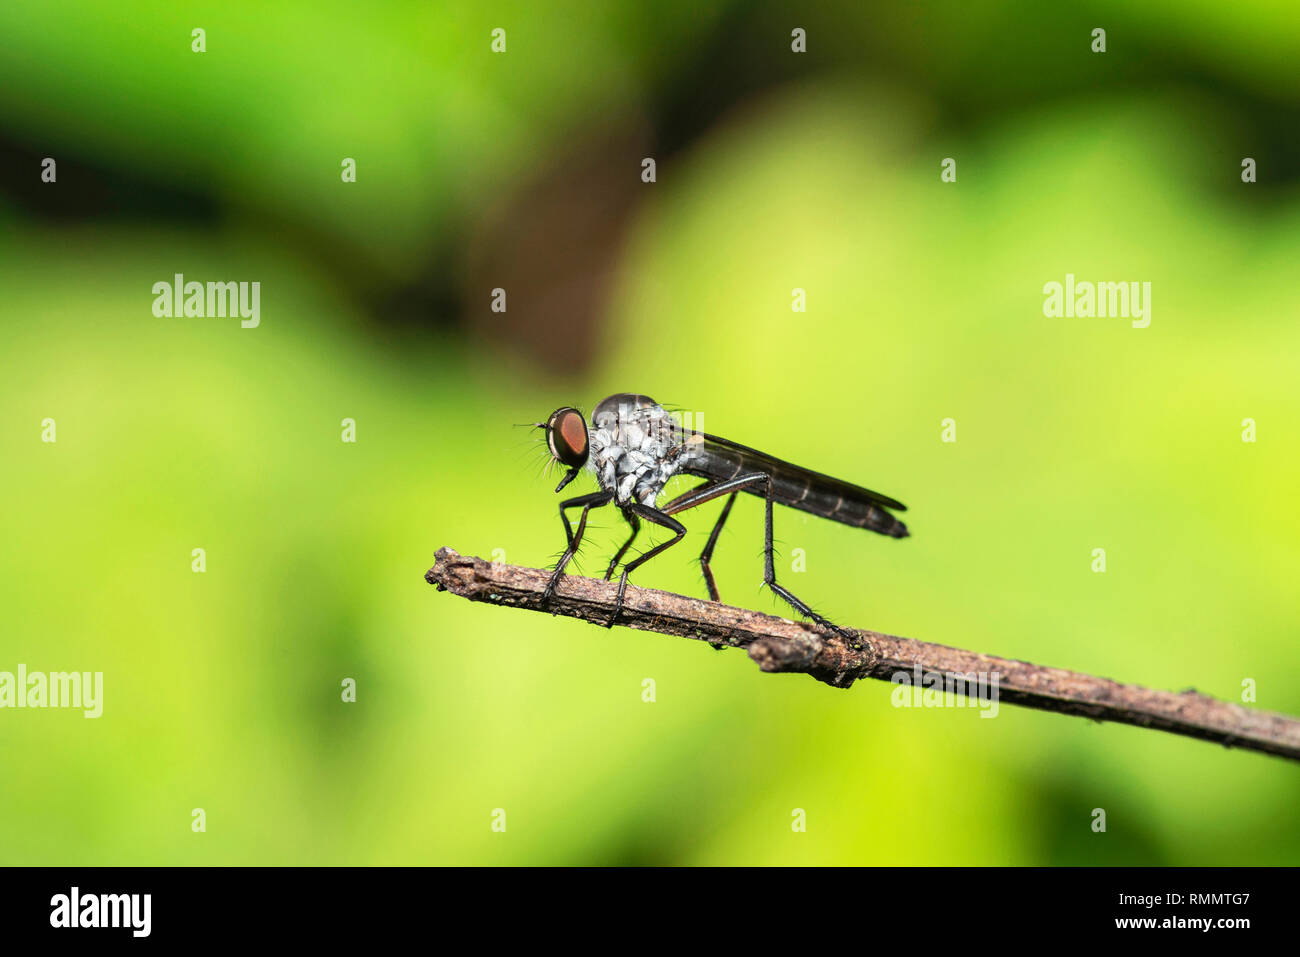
566,434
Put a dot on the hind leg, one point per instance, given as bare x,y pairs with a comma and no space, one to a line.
769,578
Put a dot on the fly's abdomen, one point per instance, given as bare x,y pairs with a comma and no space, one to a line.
838,504
796,487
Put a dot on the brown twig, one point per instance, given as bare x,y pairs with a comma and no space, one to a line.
778,645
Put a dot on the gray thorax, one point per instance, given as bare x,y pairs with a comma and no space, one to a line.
636,447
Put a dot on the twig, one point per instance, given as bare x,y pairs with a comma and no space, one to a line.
779,645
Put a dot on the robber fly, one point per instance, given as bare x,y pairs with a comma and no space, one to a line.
634,446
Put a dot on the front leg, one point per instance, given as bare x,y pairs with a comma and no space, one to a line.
587,503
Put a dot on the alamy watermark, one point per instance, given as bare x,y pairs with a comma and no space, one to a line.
55,689
1086,299
931,689
212,300
77,909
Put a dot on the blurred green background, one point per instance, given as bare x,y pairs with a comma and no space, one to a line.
522,171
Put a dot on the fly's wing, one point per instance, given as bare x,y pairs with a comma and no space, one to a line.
711,457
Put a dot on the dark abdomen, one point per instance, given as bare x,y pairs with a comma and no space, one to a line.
822,495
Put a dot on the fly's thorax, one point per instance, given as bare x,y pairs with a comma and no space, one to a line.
634,447
692,445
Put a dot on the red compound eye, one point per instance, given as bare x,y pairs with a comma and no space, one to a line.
566,434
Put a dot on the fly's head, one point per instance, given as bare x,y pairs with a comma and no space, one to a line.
566,438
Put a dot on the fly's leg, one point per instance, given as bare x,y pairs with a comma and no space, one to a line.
707,555
587,503
769,579
707,492
618,556
658,518
711,490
